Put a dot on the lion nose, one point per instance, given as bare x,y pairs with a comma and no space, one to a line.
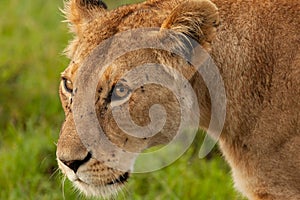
75,164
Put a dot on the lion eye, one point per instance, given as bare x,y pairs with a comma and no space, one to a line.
68,85
120,92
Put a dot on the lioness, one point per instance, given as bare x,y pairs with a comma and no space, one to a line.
255,45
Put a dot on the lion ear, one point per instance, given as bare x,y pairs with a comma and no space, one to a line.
197,19
79,12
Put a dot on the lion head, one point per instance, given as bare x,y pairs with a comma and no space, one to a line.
105,171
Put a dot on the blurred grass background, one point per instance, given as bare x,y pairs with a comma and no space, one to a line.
32,38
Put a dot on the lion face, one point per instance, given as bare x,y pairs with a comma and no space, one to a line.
102,175
73,157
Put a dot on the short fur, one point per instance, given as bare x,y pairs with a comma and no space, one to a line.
256,49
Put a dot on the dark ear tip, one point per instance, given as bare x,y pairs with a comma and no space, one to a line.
98,3
102,4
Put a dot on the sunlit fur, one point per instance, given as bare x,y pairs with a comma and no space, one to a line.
255,45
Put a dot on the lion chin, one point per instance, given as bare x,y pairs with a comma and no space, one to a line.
105,192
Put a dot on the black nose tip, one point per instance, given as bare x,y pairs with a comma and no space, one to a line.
75,164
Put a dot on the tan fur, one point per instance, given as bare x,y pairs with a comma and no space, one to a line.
256,49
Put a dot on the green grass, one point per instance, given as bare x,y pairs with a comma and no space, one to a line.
32,38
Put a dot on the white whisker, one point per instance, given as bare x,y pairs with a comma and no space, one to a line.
63,187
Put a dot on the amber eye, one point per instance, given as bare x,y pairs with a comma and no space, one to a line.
120,92
68,85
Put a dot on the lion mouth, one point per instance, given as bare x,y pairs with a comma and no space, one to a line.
120,180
